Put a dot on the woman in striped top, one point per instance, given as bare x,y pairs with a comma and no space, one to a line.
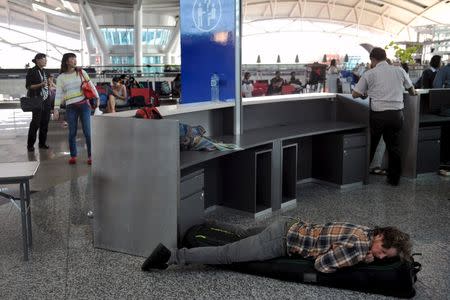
69,92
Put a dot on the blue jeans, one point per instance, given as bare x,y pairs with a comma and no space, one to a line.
82,111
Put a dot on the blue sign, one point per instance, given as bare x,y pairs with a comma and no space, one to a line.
207,48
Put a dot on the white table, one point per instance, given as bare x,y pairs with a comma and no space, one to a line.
21,173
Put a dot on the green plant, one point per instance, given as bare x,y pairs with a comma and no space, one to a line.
404,55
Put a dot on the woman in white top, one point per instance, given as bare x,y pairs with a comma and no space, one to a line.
69,92
332,77
247,85
117,95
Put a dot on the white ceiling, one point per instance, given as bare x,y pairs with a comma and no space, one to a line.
391,16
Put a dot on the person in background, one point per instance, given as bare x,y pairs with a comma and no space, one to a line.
385,84
132,83
332,76
442,79
405,67
429,74
296,83
37,85
69,92
247,85
275,84
176,86
125,79
117,95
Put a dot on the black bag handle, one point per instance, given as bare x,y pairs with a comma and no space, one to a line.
416,266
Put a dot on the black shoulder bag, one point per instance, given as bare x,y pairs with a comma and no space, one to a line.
31,103
34,102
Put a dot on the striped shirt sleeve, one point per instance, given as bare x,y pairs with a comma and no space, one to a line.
59,91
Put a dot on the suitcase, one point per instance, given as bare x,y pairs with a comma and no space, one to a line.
389,277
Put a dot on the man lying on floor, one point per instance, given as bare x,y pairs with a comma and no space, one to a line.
332,246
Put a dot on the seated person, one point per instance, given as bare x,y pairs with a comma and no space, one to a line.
247,85
117,95
133,83
332,246
296,83
125,79
176,86
275,84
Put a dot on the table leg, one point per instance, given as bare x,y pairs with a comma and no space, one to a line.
24,222
28,206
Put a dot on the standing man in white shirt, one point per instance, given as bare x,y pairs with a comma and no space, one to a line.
385,84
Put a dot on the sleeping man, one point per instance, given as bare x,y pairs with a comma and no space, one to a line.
332,246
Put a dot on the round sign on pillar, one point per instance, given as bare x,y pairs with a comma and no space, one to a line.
206,14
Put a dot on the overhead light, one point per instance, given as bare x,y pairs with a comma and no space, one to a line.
417,3
376,2
68,5
49,10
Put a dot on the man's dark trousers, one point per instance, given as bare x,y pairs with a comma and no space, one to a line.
40,120
388,124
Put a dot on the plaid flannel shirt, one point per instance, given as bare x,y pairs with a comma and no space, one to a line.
332,245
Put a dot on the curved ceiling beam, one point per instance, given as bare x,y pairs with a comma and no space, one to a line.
39,39
421,15
2,40
55,27
346,24
344,6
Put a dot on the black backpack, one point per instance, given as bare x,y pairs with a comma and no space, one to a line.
137,101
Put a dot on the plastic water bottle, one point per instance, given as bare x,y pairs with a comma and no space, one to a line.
214,87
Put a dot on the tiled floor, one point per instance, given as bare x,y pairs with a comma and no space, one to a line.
64,264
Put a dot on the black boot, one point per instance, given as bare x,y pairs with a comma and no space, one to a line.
158,259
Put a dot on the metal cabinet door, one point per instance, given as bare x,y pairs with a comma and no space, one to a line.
353,165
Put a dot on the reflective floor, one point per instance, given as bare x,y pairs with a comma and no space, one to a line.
64,265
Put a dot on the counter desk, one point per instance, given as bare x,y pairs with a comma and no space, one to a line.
146,191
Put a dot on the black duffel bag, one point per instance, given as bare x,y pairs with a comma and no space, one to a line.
31,103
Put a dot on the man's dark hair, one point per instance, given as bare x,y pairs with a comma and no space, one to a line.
435,61
64,61
405,66
394,238
378,54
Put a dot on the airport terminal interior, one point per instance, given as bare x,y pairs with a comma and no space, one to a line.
300,150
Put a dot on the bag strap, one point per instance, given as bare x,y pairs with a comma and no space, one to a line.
82,76
416,266
147,115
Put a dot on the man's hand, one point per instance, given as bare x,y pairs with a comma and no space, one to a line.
412,91
355,94
369,258
55,114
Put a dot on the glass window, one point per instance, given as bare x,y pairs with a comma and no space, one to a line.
118,36
153,36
